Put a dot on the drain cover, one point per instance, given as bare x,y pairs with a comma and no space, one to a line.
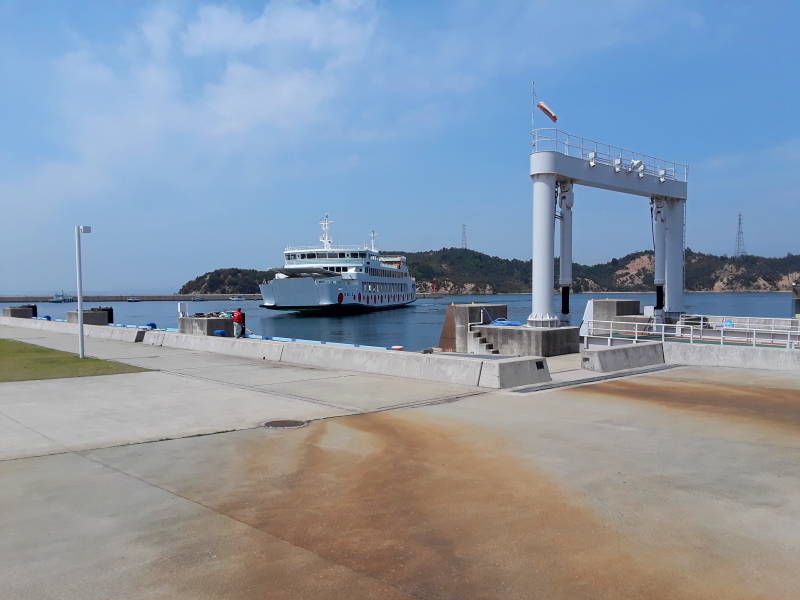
285,424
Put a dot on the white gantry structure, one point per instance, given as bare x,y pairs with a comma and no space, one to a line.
559,162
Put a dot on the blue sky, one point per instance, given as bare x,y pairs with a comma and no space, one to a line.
198,135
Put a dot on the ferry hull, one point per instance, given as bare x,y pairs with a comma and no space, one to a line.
337,309
331,295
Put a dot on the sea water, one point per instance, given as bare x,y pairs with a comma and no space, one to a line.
416,326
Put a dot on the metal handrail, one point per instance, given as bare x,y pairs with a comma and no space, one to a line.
737,336
555,140
770,323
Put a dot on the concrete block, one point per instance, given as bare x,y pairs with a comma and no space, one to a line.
55,326
741,357
18,312
455,331
610,309
618,358
205,325
531,341
122,334
451,369
90,317
512,372
153,338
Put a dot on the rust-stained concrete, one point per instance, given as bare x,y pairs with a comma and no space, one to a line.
409,501
680,484
773,404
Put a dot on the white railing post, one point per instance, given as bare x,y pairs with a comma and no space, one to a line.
635,332
691,334
722,336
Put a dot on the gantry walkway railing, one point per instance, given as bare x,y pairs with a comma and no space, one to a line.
556,140
691,334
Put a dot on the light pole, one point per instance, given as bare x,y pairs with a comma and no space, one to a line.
79,229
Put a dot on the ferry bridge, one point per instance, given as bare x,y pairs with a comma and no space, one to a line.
559,162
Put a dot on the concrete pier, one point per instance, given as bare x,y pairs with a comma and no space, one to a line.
673,484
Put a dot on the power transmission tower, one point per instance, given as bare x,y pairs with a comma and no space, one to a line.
464,236
740,251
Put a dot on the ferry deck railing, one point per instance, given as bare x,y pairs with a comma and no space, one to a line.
333,248
555,140
691,334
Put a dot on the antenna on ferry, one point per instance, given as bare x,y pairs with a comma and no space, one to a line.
325,238
372,236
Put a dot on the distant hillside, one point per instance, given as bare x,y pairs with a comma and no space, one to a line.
225,281
461,271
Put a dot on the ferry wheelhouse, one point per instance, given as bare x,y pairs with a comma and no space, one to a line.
338,278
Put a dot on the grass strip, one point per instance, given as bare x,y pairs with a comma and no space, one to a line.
21,362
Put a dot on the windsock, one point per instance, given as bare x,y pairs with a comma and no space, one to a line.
548,111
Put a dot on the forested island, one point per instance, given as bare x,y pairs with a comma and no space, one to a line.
462,271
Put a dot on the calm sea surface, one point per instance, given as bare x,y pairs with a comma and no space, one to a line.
417,326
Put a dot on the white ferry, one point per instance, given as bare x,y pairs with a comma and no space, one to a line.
338,278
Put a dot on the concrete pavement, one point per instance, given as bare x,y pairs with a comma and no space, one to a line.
677,484
192,393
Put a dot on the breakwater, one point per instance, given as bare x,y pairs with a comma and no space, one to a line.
141,297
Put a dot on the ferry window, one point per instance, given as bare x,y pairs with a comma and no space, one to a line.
302,256
311,255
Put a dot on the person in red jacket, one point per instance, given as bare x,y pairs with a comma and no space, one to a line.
238,323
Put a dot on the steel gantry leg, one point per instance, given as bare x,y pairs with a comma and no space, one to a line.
673,274
544,214
657,207
566,199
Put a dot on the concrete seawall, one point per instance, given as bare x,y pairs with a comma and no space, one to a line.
741,357
628,356
465,370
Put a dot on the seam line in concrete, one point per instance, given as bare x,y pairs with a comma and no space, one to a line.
587,380
420,404
268,392
31,429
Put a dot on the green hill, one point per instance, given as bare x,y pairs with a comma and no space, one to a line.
462,271
225,281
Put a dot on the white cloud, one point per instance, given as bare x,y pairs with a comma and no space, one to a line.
205,100
339,30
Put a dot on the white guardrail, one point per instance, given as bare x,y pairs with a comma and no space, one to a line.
691,334
555,140
717,321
